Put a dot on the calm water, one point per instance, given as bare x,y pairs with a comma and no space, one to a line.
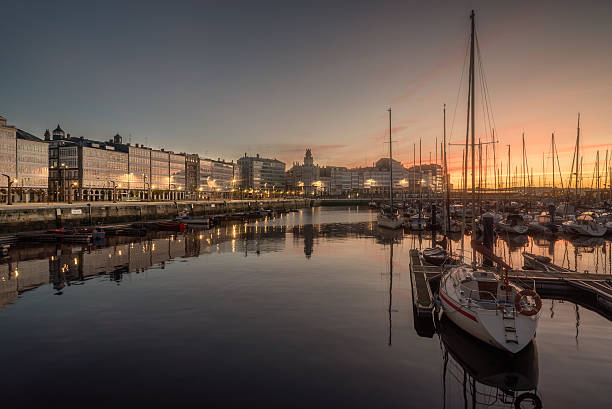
299,311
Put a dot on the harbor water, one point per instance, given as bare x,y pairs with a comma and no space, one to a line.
300,310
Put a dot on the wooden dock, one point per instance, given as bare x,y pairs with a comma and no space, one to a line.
591,291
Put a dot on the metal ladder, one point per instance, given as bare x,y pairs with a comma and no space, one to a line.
509,322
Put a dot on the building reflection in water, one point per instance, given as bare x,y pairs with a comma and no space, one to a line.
64,265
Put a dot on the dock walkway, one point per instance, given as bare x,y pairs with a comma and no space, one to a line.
592,291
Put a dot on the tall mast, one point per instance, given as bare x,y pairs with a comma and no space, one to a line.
446,184
553,165
577,153
524,170
390,165
473,96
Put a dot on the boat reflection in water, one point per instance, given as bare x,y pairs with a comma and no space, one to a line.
476,375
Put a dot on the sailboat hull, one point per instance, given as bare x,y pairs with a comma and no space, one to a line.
390,223
486,324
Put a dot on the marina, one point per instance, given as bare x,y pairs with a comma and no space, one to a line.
335,205
239,270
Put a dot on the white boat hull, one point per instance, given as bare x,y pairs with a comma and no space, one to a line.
390,223
486,324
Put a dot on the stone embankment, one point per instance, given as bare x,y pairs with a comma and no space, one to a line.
18,218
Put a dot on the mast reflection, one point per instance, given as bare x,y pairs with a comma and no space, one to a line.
476,375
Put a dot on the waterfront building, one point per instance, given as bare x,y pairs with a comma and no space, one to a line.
216,176
8,153
192,174
84,169
340,180
160,173
304,178
430,177
139,171
261,173
177,163
23,159
376,178
32,176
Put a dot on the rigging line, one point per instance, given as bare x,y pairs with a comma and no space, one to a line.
488,99
485,84
467,43
485,106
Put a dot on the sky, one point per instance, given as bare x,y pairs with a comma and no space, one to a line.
225,78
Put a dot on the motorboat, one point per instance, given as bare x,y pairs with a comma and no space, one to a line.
437,256
513,224
488,306
543,224
585,225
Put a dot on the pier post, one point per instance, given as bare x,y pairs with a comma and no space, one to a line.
487,238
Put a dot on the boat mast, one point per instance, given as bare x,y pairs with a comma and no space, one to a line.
553,166
577,153
390,165
473,142
446,184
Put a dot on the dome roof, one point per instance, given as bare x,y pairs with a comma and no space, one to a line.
58,131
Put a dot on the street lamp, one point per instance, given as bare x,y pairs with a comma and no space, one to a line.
9,182
114,187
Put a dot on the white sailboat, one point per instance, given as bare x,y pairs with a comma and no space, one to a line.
585,225
479,300
390,219
489,307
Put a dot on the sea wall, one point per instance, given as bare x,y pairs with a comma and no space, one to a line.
31,218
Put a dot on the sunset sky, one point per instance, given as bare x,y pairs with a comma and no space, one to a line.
276,77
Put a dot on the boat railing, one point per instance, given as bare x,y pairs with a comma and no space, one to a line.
477,296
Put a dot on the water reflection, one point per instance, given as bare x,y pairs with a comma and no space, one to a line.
475,375
64,265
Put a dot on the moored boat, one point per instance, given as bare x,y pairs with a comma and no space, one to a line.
585,225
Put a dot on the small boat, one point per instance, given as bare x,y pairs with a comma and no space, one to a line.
372,204
543,224
585,225
172,226
195,221
454,226
513,224
417,222
437,256
389,220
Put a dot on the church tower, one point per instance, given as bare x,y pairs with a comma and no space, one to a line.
308,160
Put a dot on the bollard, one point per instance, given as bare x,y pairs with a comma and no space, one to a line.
551,212
434,221
487,238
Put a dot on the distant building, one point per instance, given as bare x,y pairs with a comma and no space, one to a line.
304,178
375,179
216,176
89,170
23,157
261,173
430,176
192,174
